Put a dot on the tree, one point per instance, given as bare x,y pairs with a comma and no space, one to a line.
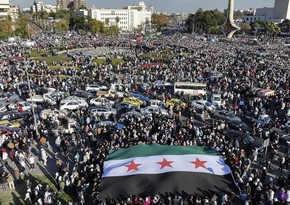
285,26
113,30
96,26
272,29
62,26
238,15
205,21
6,26
159,21
107,21
245,27
117,20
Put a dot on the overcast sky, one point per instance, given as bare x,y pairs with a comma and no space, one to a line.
188,6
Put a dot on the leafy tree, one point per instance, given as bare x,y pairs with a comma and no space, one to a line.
43,15
107,21
272,29
285,25
6,26
113,30
117,20
96,26
238,15
245,27
62,26
205,21
159,21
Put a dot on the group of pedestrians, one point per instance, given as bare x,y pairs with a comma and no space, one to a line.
79,158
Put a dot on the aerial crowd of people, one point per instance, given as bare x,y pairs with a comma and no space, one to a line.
235,69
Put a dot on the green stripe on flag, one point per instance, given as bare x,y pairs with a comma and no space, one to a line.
155,149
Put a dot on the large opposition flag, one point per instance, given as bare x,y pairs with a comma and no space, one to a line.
145,170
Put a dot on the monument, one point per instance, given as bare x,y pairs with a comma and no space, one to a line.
229,27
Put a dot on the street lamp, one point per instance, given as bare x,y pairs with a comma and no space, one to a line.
32,107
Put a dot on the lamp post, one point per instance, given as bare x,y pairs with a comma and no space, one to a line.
32,107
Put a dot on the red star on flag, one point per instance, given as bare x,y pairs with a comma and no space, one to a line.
165,163
132,166
199,163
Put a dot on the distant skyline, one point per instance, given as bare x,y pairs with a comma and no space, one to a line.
170,6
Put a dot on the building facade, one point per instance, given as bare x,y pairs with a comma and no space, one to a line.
79,3
37,6
282,9
62,4
127,19
13,12
277,14
4,9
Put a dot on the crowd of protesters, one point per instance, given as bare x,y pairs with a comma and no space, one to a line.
79,158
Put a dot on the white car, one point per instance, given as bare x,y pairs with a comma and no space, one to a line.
26,106
156,103
95,87
264,120
105,111
100,101
203,104
71,105
154,109
50,113
81,101
216,100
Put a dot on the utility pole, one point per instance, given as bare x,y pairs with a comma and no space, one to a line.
32,107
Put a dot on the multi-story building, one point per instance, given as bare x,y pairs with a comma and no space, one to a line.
13,12
37,6
62,4
4,9
277,14
282,9
127,19
79,3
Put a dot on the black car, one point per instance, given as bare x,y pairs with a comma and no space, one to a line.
245,140
15,116
38,90
238,125
83,94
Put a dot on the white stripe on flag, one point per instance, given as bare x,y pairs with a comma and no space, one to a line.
180,163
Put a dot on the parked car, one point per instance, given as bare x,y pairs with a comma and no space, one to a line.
139,96
264,120
226,115
216,100
81,101
123,106
238,125
38,90
102,111
71,105
14,116
83,94
133,100
9,130
245,140
44,114
175,102
26,106
156,103
10,124
153,109
116,126
203,104
7,97
96,87
100,101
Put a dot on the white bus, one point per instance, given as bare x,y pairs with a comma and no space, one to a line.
189,88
